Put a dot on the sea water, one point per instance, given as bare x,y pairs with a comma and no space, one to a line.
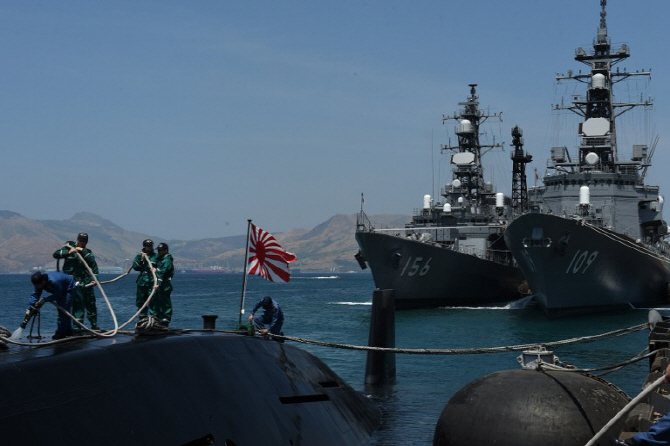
335,308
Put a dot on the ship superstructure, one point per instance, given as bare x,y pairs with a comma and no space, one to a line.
453,251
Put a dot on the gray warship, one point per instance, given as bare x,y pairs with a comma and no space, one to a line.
594,238
452,253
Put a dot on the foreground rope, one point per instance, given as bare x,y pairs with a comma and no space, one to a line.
104,334
104,295
470,351
121,276
117,327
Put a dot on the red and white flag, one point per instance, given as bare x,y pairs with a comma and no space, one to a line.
266,257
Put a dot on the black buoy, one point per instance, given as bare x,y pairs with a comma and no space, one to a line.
516,407
380,366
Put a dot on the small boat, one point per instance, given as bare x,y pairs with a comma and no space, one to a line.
594,238
453,251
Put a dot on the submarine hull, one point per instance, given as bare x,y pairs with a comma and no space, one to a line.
178,389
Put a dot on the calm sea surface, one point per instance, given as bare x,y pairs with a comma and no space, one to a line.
336,309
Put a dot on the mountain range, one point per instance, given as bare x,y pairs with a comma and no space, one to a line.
27,244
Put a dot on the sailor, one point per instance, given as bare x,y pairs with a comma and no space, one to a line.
160,306
145,280
62,289
272,319
84,301
658,433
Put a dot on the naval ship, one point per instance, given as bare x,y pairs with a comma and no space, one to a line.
452,253
594,238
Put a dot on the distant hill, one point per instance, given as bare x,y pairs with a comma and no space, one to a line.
27,244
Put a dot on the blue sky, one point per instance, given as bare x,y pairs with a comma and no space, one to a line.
183,119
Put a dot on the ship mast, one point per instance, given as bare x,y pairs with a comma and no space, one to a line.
469,172
598,149
519,161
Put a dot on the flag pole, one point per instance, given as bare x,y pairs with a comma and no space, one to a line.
244,278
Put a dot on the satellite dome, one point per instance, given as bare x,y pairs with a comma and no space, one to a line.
598,81
591,158
465,127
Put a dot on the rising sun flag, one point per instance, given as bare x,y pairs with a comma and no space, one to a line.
266,257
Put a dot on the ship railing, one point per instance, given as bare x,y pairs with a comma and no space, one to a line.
363,223
471,251
501,256
660,247
412,233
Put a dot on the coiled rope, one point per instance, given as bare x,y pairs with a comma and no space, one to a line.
118,327
104,295
104,334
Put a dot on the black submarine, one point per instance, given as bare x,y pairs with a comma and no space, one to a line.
180,387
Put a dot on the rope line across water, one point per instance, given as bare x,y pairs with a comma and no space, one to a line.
469,351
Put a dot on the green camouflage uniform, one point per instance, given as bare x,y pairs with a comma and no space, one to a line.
84,301
161,304
145,281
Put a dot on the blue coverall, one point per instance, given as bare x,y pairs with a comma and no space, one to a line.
658,434
63,289
272,318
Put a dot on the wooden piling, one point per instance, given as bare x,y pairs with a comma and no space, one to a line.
380,367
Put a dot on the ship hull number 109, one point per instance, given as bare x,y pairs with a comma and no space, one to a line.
581,261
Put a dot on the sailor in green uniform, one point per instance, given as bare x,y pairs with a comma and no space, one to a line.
145,281
160,306
84,301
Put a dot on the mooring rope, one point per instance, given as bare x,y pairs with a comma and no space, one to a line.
468,351
618,239
122,326
104,295
120,276
609,368
151,295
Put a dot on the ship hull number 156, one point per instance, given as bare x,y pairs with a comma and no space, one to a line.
416,266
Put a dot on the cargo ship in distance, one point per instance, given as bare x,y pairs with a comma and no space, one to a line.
452,253
594,239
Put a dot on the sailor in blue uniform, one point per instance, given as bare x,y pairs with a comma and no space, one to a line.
63,289
658,433
272,318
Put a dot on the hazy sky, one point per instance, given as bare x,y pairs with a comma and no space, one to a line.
183,119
